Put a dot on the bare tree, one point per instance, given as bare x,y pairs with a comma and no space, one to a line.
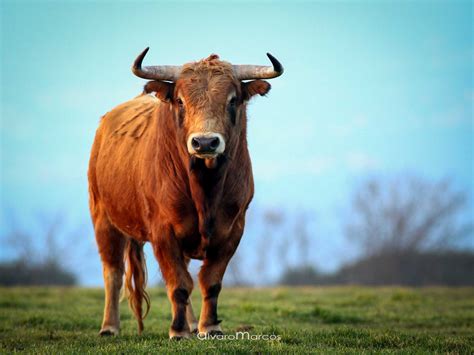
407,214
302,238
38,256
234,271
283,251
272,220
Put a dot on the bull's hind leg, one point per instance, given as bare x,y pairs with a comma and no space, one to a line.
111,243
190,317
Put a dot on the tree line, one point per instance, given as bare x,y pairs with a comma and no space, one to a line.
402,230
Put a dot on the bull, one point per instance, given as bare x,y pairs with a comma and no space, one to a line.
171,167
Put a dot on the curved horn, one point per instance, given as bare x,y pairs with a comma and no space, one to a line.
248,72
155,72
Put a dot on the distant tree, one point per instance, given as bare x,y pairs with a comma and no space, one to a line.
21,272
300,276
406,215
302,238
234,274
409,231
272,220
303,270
36,259
450,268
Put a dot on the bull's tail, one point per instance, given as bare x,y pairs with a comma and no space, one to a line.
135,280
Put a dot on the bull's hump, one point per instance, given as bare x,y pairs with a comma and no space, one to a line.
132,118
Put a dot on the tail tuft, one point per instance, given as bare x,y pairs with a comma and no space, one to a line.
135,280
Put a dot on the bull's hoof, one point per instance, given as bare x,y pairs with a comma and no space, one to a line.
175,335
178,338
108,331
210,330
193,328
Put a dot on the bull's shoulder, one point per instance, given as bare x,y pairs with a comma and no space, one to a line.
131,118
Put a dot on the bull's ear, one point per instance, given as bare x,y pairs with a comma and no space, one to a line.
254,87
162,89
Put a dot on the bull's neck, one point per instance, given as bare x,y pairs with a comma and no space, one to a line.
206,186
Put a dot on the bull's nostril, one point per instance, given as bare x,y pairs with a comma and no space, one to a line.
195,143
214,143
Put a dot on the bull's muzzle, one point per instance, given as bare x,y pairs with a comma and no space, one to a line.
206,145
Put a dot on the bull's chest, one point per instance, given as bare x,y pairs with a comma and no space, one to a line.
188,224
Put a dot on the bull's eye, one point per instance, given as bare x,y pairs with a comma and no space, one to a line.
180,116
233,102
232,109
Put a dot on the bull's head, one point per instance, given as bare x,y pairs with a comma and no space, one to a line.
208,99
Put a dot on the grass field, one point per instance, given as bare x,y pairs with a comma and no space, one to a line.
340,319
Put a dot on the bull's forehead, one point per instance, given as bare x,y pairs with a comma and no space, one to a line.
202,91
206,82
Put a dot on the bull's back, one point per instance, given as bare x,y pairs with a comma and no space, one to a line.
114,167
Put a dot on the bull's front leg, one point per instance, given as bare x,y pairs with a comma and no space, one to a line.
179,283
210,281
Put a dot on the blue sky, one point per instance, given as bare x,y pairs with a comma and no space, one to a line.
372,87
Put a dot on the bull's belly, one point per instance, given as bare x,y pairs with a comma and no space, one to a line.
128,220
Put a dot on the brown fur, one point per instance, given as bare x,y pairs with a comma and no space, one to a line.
145,187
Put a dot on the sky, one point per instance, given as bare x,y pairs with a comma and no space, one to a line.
370,88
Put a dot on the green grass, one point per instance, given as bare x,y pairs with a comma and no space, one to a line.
328,320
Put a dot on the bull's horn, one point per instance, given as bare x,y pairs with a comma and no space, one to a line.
248,72
155,72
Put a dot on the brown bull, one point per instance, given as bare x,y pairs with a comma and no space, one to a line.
174,170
